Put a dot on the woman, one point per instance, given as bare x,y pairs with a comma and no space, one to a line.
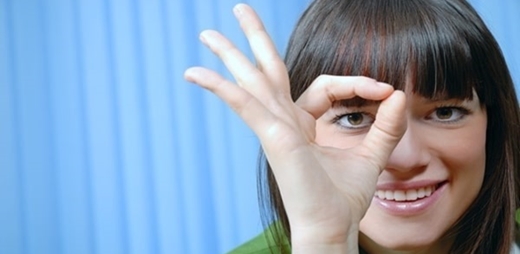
426,164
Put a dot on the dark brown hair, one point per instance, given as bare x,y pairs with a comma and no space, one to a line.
443,48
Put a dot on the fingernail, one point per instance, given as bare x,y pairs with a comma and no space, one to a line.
202,38
383,84
238,10
190,74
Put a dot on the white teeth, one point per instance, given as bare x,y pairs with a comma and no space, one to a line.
399,195
389,195
411,195
405,195
428,191
421,193
380,194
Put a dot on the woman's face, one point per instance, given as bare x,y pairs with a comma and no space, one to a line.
432,176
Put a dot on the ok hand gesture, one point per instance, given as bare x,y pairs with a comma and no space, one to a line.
326,191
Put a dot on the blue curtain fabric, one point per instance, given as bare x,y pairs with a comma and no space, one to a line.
104,148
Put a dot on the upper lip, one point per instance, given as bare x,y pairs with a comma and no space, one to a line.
408,185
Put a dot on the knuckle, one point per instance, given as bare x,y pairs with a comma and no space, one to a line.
322,80
362,80
322,83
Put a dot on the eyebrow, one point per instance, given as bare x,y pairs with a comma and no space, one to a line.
356,102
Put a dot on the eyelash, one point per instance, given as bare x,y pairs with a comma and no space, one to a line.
461,110
338,118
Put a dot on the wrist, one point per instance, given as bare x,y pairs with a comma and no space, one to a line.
324,241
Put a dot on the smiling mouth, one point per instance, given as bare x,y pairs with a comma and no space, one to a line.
408,195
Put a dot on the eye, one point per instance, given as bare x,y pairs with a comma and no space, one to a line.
356,120
448,114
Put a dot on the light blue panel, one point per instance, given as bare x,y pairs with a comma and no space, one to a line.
170,205
503,19
169,171
135,126
511,42
191,144
182,38
67,105
156,20
153,106
103,140
121,26
11,210
36,147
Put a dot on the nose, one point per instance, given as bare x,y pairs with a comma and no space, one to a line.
410,154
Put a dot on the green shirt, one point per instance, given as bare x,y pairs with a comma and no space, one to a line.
264,243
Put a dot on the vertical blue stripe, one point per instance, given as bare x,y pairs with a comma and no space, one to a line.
17,123
171,237
175,13
199,205
12,235
52,201
149,223
72,186
78,46
108,199
116,126
502,20
35,142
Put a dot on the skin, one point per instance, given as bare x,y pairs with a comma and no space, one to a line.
441,143
326,188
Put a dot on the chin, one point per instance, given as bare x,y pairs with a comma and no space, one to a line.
400,241
405,245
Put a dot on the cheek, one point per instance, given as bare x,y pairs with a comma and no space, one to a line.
459,156
465,159
461,150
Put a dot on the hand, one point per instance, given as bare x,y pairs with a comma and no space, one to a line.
326,191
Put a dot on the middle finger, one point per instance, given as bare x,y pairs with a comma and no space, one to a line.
266,55
245,73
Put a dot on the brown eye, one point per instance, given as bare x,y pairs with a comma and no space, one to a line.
355,120
444,113
448,114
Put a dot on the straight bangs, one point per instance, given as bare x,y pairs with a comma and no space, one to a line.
408,44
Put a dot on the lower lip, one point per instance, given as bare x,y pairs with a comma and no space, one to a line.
408,208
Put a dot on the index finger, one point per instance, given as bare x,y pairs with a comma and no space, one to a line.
326,89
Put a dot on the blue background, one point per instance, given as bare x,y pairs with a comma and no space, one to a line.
104,148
